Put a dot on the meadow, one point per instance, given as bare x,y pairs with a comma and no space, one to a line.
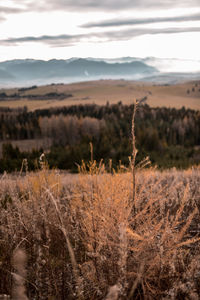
100,92
93,236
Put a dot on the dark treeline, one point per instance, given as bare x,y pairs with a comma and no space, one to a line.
170,137
17,124
48,96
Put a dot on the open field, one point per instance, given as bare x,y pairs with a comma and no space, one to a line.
29,145
84,237
100,92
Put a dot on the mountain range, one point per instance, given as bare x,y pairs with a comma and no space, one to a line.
29,71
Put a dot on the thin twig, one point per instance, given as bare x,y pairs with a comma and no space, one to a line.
136,282
134,153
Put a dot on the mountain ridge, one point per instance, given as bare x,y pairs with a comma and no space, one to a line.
80,68
24,72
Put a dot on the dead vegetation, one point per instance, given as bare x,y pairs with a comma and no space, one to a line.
82,241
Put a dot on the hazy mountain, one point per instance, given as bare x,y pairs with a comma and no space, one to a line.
29,71
173,65
4,75
26,71
172,78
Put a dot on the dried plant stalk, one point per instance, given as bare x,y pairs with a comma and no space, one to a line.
134,153
113,293
19,264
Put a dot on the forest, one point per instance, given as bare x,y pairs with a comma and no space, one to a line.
169,137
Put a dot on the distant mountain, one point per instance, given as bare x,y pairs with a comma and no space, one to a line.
37,72
172,78
4,75
40,71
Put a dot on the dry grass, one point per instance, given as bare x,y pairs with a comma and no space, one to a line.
101,91
19,277
82,241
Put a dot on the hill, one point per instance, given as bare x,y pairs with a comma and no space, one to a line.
102,91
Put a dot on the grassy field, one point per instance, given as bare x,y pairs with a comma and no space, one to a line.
100,92
78,237
102,234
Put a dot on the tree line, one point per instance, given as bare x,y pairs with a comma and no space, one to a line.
169,136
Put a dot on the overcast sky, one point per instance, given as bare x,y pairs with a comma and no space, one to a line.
46,29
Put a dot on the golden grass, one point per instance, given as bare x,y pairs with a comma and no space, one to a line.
99,92
83,242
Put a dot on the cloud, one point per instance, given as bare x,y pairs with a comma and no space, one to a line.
141,21
2,18
10,10
4,10
47,39
106,5
128,34
68,40
132,33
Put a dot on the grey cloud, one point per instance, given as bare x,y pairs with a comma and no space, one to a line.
122,22
128,34
58,39
10,10
68,40
40,38
106,5
124,35
2,18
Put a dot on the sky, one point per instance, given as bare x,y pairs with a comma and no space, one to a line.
61,29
